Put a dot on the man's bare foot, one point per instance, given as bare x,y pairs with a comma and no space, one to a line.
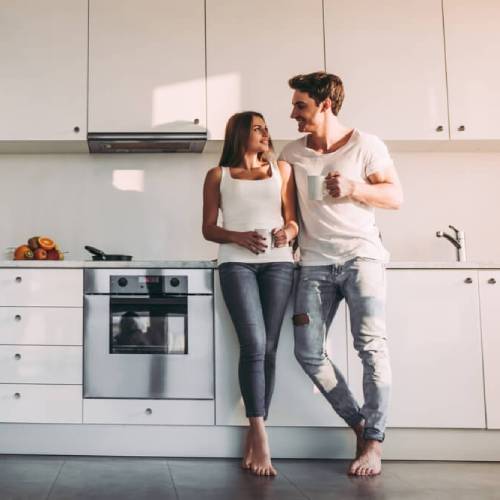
261,456
369,462
246,462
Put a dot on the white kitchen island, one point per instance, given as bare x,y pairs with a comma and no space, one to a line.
444,333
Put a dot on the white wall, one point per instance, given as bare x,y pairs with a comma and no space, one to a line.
72,198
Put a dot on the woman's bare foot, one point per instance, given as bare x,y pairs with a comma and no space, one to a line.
246,462
261,456
369,462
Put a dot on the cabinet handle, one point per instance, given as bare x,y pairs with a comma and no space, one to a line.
492,281
148,411
468,280
18,279
76,129
439,128
17,395
196,121
461,128
17,356
17,317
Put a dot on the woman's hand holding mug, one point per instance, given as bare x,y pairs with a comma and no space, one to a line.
280,237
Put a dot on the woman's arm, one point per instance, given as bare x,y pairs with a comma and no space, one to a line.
211,231
288,206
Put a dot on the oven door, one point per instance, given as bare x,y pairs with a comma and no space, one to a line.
148,347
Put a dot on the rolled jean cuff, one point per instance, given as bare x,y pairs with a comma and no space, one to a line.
354,420
253,414
373,434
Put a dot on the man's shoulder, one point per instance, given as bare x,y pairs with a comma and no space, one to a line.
292,149
368,141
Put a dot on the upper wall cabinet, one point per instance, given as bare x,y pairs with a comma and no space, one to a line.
472,47
146,66
390,56
252,51
43,71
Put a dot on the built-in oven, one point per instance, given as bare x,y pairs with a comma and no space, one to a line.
148,333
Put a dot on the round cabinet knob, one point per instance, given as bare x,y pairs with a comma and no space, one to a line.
76,129
468,280
439,128
196,121
492,281
175,282
149,411
18,279
17,317
17,356
17,395
461,128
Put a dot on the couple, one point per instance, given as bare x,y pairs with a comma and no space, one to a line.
341,257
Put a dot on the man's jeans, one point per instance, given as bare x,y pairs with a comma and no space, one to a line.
256,296
320,289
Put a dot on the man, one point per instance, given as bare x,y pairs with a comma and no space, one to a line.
342,256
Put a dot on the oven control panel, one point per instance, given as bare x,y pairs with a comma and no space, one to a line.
148,284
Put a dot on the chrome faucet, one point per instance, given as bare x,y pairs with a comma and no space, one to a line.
458,241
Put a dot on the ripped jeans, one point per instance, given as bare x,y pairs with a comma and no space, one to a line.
320,290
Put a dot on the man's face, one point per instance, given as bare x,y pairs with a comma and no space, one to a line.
306,112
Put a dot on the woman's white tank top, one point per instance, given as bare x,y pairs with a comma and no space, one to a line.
247,205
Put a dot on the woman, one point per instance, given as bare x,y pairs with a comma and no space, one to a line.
253,193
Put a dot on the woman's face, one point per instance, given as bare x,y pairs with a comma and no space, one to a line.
258,140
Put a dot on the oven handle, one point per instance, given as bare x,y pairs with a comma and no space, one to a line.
147,299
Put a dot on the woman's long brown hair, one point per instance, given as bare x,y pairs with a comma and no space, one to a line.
236,139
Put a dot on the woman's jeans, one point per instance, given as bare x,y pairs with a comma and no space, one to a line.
320,289
256,296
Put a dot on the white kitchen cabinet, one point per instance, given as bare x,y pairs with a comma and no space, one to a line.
41,287
390,57
252,52
433,326
146,66
41,325
43,75
148,411
489,290
472,47
37,364
54,404
296,401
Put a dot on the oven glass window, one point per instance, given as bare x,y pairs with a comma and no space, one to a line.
145,327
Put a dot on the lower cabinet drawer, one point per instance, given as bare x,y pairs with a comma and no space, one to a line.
54,404
41,325
21,364
148,412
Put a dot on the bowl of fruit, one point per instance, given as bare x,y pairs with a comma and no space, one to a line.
39,248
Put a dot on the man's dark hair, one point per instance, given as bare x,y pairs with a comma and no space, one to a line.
319,86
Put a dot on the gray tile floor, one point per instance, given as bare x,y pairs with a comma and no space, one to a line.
34,477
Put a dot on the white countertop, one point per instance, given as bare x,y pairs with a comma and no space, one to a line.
209,264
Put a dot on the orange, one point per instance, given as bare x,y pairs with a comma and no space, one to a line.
46,243
23,252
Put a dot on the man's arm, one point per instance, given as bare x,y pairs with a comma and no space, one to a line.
383,189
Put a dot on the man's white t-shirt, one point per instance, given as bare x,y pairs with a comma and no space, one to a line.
333,231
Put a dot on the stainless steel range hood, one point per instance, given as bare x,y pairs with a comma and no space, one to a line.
138,142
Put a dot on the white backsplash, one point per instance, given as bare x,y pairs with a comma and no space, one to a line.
153,209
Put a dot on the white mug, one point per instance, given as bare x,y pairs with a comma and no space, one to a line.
266,233
316,188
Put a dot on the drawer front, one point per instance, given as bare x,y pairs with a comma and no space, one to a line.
41,287
55,404
148,412
40,364
41,325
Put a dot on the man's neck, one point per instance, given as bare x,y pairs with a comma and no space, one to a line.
331,137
